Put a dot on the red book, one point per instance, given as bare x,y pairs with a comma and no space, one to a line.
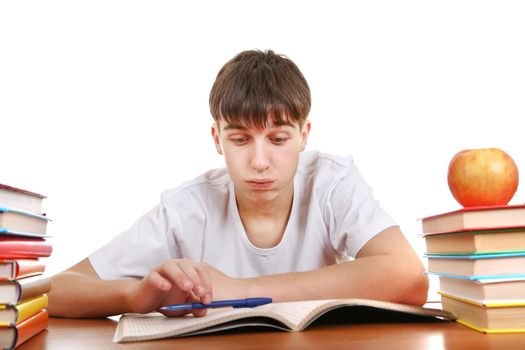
13,336
15,248
475,219
13,197
12,269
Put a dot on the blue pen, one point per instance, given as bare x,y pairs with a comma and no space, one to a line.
237,303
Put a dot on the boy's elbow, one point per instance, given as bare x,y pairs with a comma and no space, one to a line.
419,293
414,287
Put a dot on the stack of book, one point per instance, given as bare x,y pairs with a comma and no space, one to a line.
479,255
24,246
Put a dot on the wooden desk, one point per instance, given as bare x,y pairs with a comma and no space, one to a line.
97,334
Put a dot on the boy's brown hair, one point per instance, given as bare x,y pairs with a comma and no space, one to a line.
255,84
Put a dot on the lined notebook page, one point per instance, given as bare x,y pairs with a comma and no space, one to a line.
135,327
297,313
294,315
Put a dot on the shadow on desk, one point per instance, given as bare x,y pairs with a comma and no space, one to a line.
328,334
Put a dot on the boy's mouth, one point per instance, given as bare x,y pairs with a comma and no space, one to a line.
260,184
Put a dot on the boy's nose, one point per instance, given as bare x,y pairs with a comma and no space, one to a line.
260,159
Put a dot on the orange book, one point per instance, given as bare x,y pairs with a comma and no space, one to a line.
13,336
12,269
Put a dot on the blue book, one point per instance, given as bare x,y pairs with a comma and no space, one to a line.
478,266
14,222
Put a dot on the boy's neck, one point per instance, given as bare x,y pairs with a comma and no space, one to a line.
265,222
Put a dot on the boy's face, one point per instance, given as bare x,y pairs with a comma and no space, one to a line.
261,162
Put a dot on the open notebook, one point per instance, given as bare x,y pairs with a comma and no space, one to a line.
291,316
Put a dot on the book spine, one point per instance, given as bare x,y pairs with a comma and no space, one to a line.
31,307
20,268
35,288
29,267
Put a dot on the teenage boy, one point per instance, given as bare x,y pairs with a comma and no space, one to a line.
274,223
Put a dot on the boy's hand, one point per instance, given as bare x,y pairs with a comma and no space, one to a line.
173,282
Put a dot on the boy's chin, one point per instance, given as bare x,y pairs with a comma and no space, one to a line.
259,197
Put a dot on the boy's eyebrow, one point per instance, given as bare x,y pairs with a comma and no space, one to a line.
282,123
235,127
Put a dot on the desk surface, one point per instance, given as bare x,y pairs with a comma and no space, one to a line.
98,333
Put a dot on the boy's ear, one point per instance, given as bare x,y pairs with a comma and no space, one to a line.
216,140
304,134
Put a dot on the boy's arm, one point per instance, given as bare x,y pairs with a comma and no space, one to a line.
386,268
79,289
79,292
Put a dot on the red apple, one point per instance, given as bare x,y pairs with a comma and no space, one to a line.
482,177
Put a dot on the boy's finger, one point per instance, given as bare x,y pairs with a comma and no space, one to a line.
190,269
199,312
172,271
206,294
159,282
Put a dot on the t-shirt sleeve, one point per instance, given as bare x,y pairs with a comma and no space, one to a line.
353,214
135,252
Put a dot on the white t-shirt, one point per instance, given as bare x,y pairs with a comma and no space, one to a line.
333,214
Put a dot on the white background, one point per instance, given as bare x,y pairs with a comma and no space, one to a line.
104,104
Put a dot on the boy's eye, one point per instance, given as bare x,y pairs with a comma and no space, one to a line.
239,140
279,140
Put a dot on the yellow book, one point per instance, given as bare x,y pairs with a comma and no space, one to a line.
14,314
487,317
490,330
